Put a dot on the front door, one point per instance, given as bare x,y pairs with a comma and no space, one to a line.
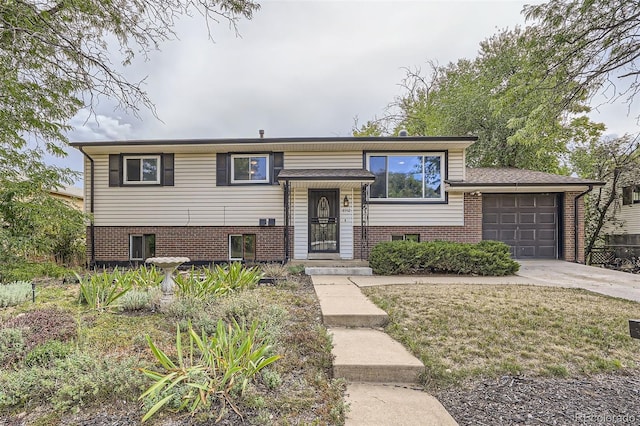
323,220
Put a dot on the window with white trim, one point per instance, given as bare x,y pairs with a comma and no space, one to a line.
242,247
407,176
253,168
141,169
142,246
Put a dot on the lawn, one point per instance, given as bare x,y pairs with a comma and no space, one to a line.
76,365
469,332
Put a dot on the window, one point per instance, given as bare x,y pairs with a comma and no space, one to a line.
144,169
142,247
141,169
407,177
406,237
242,247
250,168
631,195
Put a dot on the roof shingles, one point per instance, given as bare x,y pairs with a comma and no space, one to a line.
512,176
326,174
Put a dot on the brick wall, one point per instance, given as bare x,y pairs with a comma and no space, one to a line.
569,228
211,243
471,232
198,243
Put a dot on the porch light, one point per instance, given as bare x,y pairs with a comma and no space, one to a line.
345,202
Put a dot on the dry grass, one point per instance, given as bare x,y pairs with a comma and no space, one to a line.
470,331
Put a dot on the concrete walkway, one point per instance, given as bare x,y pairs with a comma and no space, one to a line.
381,374
376,366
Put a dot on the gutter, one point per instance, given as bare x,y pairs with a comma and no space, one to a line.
575,222
92,234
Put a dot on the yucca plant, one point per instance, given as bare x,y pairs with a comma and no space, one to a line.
217,281
235,277
208,369
103,289
196,284
146,277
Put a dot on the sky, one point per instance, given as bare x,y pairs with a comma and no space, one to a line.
300,68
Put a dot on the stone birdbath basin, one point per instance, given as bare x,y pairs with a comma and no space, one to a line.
169,264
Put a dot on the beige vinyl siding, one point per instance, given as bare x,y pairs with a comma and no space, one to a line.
299,213
420,214
348,217
630,217
193,201
323,160
456,165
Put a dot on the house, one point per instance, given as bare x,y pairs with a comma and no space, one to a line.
72,195
277,199
624,239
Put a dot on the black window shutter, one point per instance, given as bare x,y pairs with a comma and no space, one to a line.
278,164
627,195
222,169
114,170
167,169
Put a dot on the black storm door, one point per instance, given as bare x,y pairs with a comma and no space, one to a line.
323,221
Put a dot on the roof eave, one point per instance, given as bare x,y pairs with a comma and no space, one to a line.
301,140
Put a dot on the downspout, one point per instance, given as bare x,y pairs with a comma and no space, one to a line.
576,223
92,238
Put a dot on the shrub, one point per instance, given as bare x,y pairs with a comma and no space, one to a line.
20,270
11,345
72,382
139,299
103,289
14,293
208,369
275,270
44,355
42,325
407,257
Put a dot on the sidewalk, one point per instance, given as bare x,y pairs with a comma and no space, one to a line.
382,375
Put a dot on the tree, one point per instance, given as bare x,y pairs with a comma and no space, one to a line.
491,97
593,43
614,161
35,225
56,57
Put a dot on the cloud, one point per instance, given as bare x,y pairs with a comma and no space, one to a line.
87,127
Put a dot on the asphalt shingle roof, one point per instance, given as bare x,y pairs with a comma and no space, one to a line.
512,176
326,174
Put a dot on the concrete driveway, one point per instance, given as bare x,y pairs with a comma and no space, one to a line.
574,275
549,273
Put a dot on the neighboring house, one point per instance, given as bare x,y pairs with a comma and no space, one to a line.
277,199
624,238
72,195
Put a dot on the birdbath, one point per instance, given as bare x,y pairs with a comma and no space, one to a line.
169,264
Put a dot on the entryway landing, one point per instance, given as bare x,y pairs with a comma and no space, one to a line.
333,267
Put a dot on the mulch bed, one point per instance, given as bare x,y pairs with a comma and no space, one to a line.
605,399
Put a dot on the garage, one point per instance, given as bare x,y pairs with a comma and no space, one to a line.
526,222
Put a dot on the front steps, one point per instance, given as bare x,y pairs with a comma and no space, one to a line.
362,352
377,358
339,309
338,270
